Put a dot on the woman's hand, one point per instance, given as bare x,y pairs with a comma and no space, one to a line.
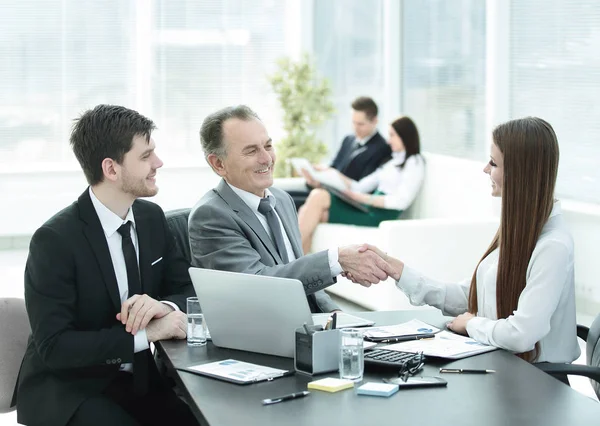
459,324
396,264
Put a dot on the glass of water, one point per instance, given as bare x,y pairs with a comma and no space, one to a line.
351,354
196,329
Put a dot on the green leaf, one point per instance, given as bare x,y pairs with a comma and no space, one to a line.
305,98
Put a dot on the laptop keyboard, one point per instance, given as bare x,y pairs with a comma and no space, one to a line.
387,358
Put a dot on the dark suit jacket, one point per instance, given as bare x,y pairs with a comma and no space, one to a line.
356,164
71,292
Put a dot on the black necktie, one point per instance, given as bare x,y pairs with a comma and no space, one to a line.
265,208
140,359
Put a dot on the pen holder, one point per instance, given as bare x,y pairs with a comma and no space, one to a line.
317,352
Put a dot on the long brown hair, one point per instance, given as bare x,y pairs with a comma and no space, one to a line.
530,151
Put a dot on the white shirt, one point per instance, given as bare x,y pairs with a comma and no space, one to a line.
253,200
400,185
110,224
546,307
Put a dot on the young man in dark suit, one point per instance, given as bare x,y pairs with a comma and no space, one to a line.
363,152
103,280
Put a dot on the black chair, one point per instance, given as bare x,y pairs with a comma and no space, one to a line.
177,220
592,370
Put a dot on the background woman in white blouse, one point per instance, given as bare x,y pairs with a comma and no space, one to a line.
521,296
386,192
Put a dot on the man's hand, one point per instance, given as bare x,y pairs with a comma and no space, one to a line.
365,267
139,310
170,326
396,264
459,324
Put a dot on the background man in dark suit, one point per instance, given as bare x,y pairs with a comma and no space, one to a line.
360,154
363,152
93,278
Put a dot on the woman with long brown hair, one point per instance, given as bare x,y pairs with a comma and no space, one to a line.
521,296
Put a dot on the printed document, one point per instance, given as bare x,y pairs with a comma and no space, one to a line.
444,345
410,328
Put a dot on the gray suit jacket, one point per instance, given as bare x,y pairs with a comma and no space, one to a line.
226,235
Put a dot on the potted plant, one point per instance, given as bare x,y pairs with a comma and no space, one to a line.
305,98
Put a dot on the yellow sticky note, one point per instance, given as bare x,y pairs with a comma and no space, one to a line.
331,384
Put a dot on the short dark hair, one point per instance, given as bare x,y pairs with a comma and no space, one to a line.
107,131
211,131
366,105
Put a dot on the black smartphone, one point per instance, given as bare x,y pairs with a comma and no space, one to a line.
417,382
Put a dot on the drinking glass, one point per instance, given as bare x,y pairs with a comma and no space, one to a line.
196,329
351,354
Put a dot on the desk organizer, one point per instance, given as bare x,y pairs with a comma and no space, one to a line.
317,352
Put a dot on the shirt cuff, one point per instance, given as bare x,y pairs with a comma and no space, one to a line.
171,304
409,280
140,341
479,328
334,264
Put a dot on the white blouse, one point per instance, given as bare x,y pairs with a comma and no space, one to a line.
400,185
546,307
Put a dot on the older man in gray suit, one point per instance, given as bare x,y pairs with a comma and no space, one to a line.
244,225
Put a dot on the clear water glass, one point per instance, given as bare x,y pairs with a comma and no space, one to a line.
351,354
196,328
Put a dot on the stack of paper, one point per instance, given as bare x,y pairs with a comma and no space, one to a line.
411,328
331,384
444,345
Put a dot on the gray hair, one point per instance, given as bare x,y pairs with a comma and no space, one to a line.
211,131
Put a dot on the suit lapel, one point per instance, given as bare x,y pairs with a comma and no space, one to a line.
142,228
95,235
248,216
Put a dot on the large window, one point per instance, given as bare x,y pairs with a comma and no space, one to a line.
348,46
173,60
443,74
555,75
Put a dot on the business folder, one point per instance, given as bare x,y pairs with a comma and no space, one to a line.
238,372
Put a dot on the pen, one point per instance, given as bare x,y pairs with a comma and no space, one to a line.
407,338
465,371
334,321
289,397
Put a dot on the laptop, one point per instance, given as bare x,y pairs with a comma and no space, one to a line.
257,313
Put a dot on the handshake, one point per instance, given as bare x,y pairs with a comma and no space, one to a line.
366,264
